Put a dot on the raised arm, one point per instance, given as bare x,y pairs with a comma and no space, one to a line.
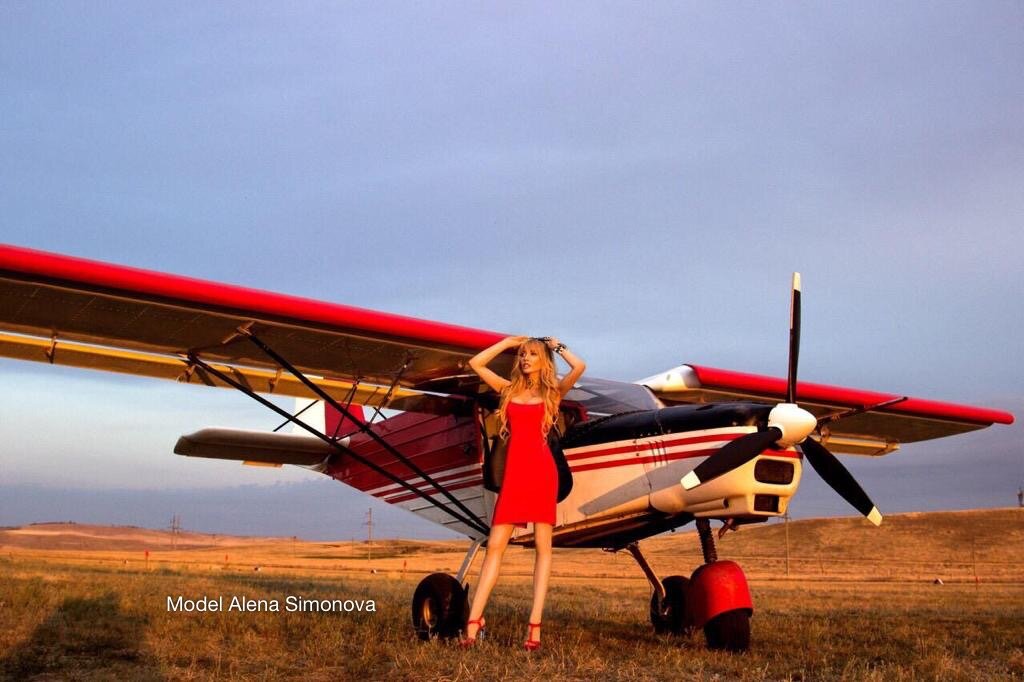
576,364
479,361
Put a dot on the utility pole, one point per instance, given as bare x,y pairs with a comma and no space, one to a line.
369,532
175,528
785,522
974,561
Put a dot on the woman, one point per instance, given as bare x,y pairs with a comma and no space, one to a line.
527,410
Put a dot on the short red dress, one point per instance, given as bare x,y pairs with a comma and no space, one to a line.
529,491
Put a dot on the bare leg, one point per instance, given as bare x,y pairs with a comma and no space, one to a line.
496,544
541,571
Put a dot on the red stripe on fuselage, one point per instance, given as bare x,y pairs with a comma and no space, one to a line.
391,490
476,481
457,486
690,454
634,447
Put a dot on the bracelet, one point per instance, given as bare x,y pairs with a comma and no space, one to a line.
559,348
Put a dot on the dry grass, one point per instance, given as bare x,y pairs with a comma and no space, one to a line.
88,615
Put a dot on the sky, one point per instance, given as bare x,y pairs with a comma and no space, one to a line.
637,179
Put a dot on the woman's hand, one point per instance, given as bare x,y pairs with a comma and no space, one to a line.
513,341
577,366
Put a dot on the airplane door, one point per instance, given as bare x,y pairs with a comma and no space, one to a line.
663,475
652,453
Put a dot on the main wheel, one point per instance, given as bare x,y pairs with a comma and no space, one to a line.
668,616
439,607
729,631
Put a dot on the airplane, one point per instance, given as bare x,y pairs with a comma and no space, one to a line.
688,444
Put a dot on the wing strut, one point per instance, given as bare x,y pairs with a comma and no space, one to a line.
471,519
387,396
365,426
473,522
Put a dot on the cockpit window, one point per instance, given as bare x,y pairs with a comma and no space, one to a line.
602,397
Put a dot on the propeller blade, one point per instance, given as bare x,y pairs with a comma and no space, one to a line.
794,339
835,474
733,454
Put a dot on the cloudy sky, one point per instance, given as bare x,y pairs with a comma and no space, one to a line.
638,179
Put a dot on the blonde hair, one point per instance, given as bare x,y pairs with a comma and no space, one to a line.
549,390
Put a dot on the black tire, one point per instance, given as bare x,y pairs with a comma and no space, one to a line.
439,607
729,631
669,616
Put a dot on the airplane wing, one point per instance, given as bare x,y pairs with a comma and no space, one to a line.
83,313
875,432
65,310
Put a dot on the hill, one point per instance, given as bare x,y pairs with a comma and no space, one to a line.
68,535
963,546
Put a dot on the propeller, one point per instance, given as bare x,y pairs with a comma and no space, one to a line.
839,479
789,424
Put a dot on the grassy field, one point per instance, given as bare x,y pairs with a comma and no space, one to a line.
95,612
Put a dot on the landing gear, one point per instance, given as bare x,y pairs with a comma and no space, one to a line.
719,597
729,631
668,615
715,598
440,605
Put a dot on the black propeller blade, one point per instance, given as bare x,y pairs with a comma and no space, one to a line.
794,339
836,475
733,454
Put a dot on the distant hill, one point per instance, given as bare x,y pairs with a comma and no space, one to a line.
992,533
68,535
955,544
986,544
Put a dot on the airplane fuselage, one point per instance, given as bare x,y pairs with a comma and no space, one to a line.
627,470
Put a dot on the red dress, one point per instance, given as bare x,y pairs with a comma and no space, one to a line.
529,491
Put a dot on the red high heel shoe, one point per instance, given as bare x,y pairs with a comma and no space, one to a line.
532,644
470,641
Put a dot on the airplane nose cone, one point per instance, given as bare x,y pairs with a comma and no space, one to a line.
795,423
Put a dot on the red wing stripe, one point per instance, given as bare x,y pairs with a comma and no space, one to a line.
52,267
772,387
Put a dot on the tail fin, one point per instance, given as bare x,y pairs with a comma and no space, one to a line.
326,419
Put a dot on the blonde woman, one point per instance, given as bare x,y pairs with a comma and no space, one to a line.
527,411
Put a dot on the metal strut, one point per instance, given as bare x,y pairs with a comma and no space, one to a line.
707,541
391,390
473,522
365,427
652,577
348,403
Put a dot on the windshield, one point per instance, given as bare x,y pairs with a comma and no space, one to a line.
602,397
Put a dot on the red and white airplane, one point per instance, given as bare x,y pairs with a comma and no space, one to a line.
690,444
